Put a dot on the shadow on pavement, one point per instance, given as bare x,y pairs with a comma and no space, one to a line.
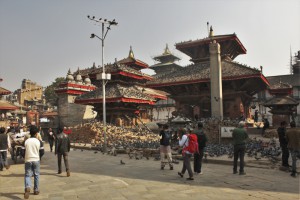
218,176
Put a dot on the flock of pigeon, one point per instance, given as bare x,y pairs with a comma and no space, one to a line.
138,144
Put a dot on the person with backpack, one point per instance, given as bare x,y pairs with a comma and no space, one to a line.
202,140
165,148
190,146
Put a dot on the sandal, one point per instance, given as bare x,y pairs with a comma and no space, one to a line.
190,179
180,174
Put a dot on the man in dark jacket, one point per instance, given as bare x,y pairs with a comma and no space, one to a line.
4,146
283,144
165,148
239,136
62,148
202,139
293,139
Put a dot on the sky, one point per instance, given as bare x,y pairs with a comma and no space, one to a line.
41,40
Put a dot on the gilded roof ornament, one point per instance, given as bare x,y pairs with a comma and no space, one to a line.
167,51
211,32
131,54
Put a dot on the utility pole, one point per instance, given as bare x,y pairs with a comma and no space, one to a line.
104,77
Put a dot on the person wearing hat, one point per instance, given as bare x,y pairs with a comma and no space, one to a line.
239,136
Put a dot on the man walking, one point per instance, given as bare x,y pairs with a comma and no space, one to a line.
51,138
4,147
32,162
239,136
165,148
293,139
184,142
202,139
62,148
283,144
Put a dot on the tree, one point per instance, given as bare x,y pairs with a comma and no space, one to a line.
50,95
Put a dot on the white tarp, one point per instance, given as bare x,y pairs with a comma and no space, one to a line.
226,131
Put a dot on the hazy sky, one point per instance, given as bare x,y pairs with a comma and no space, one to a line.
41,39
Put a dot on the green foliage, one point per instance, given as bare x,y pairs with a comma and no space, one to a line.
50,95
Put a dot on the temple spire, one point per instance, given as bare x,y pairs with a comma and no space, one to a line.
94,65
211,32
131,54
167,51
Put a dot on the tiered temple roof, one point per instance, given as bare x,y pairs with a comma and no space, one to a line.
200,72
133,62
198,50
116,92
126,84
115,69
166,63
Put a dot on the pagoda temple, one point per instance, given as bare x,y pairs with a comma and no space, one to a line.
282,105
282,98
190,86
127,98
166,62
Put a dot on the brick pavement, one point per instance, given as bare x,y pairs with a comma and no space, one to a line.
98,176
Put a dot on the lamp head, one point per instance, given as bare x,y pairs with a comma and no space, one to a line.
92,35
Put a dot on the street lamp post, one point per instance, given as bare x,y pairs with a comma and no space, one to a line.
104,77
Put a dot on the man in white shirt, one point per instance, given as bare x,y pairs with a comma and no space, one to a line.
32,162
184,142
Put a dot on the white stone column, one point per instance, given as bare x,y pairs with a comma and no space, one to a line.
216,81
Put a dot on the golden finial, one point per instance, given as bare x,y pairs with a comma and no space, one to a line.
131,54
211,32
167,51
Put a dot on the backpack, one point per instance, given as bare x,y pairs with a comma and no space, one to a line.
166,138
193,144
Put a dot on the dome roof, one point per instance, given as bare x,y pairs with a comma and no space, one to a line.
87,81
78,77
69,76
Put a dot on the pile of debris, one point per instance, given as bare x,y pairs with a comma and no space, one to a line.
118,137
271,133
